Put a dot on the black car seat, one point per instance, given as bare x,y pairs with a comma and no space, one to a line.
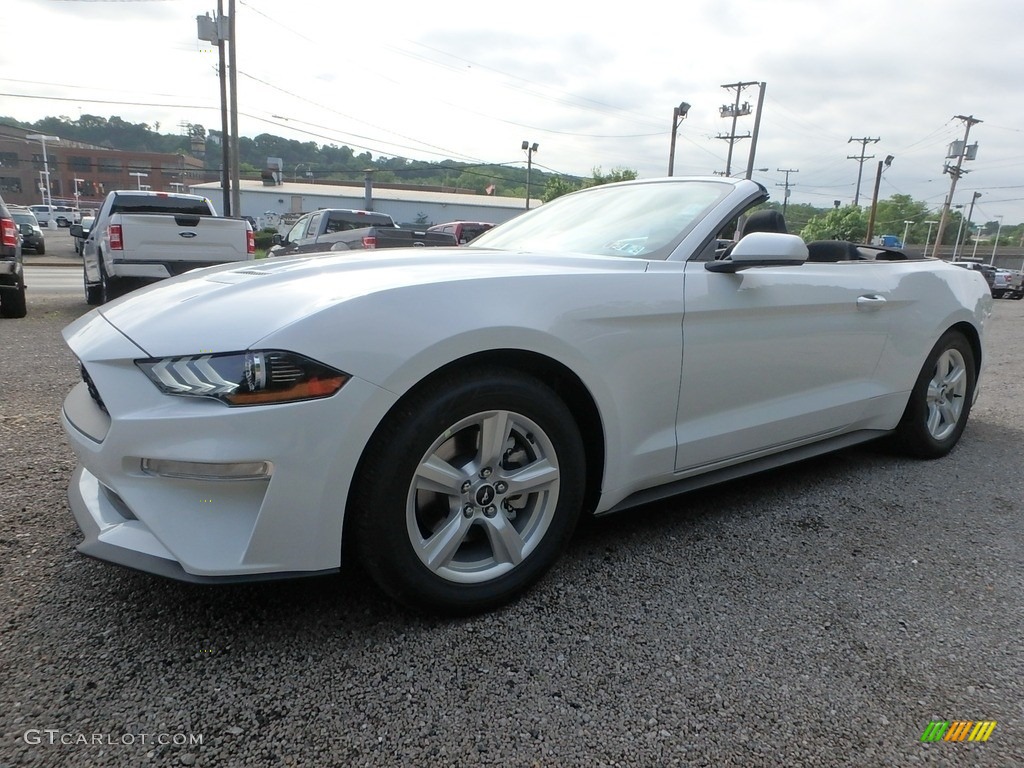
759,221
764,221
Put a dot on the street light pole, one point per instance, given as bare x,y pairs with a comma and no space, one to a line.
42,139
970,216
77,195
996,243
530,149
906,229
928,237
678,115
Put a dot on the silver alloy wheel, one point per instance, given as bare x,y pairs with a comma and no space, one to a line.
946,394
483,497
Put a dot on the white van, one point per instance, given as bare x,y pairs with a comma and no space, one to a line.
64,215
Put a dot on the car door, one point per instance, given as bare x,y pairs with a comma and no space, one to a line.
308,242
294,237
777,356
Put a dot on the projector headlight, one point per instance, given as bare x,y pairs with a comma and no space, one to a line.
244,378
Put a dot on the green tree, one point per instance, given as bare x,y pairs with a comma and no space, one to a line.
848,223
892,214
557,186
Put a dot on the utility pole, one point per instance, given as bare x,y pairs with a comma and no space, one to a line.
864,141
757,129
734,111
787,185
882,165
955,173
236,192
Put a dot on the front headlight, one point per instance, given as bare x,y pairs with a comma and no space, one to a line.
244,378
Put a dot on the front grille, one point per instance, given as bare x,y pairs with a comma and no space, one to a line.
93,392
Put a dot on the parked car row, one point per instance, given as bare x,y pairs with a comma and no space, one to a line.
12,273
62,215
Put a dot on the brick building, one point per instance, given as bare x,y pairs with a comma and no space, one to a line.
98,170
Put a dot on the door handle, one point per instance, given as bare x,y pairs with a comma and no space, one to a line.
871,302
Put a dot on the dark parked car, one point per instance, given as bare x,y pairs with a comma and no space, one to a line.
87,222
31,233
12,273
464,231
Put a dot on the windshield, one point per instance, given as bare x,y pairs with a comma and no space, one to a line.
25,218
642,221
187,206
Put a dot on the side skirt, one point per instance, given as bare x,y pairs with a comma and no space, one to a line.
746,468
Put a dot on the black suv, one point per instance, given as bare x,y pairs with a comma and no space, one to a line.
12,275
31,233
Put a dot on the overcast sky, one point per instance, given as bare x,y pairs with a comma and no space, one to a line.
593,86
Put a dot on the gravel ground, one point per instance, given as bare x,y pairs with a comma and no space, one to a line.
820,615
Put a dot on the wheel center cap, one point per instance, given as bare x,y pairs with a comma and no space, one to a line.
484,495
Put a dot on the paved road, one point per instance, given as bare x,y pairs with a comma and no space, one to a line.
53,281
818,616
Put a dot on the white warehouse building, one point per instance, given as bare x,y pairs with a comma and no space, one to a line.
268,203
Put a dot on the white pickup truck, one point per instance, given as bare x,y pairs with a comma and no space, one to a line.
141,237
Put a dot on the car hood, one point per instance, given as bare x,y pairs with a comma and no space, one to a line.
233,306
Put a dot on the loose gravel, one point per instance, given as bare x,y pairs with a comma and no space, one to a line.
820,615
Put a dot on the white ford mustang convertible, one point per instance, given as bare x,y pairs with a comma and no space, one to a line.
446,415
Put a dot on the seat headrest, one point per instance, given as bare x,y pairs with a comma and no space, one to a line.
765,221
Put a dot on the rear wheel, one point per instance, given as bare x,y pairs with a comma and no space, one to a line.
12,303
940,402
468,492
41,249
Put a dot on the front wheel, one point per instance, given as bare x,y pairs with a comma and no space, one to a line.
940,401
468,492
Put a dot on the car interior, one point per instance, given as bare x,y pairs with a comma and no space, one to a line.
818,251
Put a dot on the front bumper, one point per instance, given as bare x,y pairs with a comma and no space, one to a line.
208,530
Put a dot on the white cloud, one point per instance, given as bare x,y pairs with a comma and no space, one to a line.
593,86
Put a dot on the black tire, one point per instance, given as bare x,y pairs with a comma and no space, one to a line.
503,538
12,303
1017,296
932,423
110,287
997,294
41,250
93,295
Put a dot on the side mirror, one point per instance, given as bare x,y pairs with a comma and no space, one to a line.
762,249
77,231
278,239
25,229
